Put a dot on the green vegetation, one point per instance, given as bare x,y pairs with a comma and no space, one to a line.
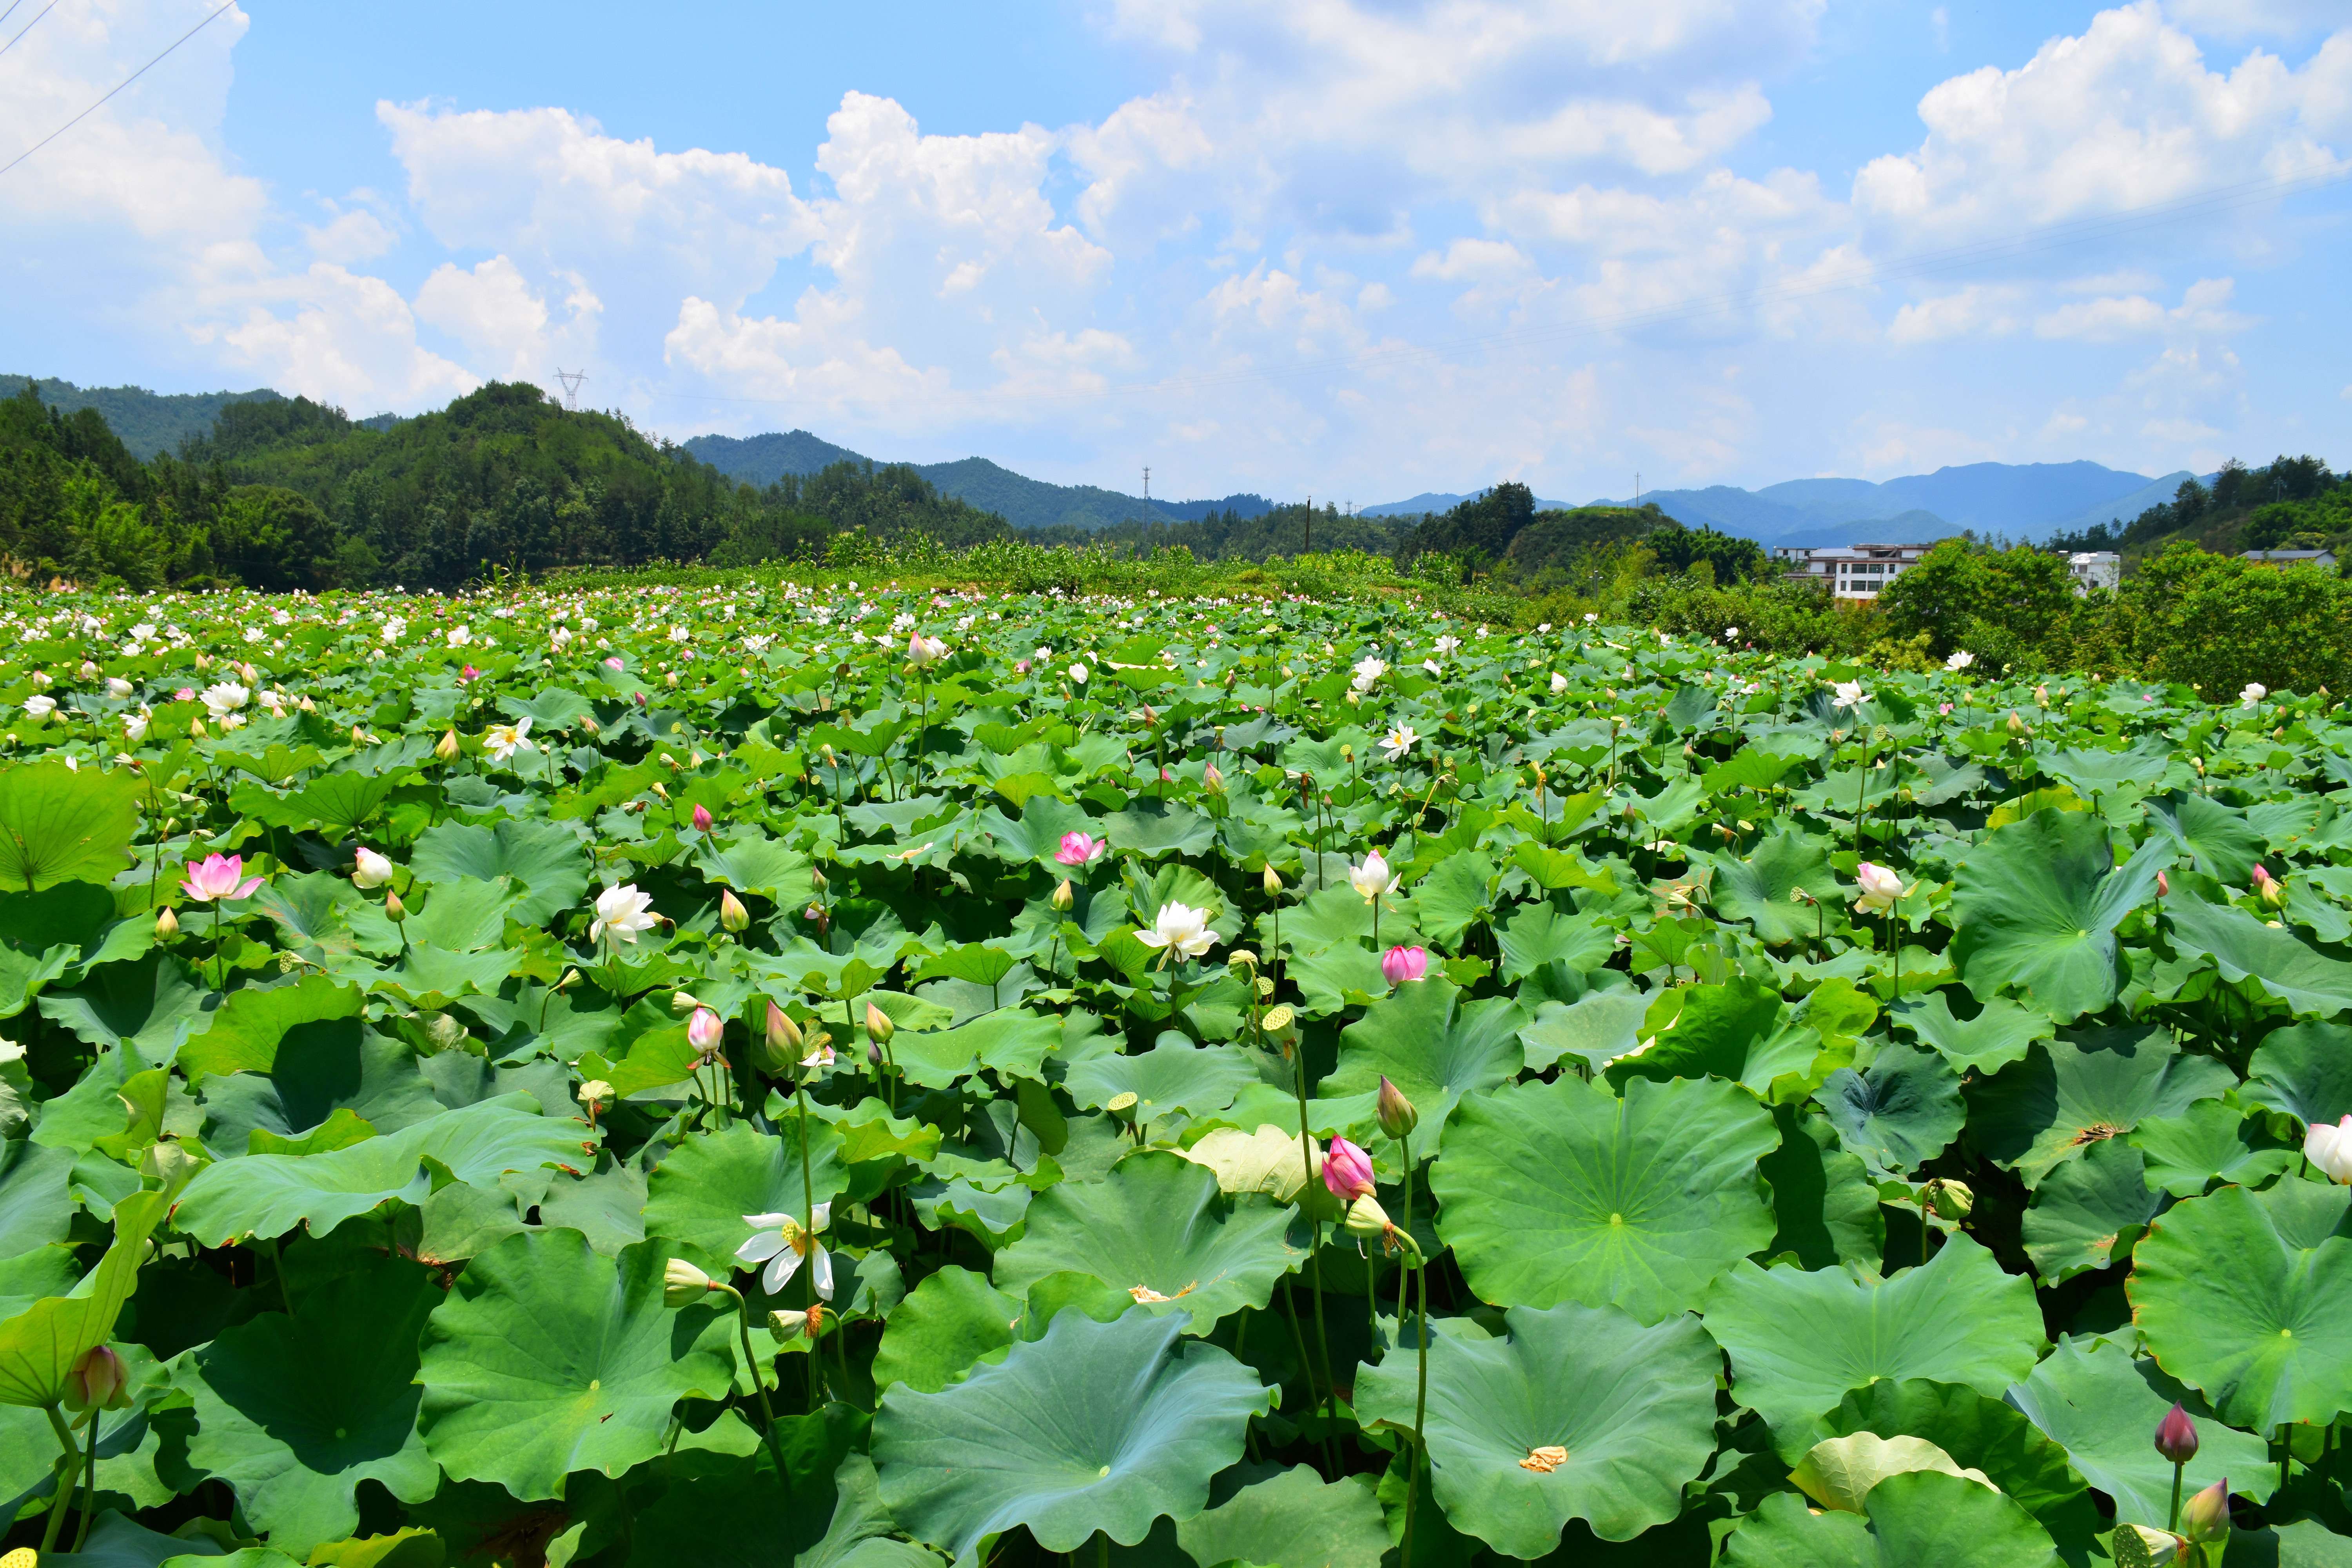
2294,503
149,423
882,1075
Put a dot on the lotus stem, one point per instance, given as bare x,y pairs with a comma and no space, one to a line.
808,1228
2173,1524
1315,1259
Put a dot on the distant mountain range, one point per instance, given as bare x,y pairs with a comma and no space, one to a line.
1021,501
146,422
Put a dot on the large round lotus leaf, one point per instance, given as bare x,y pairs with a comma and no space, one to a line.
2310,983
2305,1070
547,1358
2101,1405
2089,1212
269,1194
1839,1472
1293,1519
1980,1434
1562,1191
696,1197
294,1413
60,824
544,859
943,1327
2207,835
1632,1406
2212,1140
1785,1532
37,1207
1156,1227
2248,1295
1169,1078
1096,1426
2035,908
1740,1031
1898,1114
2094,1084
1270,1161
1798,1339
1595,1029
1757,890
1996,1037
1826,1206
1927,1517
1434,1047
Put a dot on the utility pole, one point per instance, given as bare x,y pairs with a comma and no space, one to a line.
1309,548
572,380
1637,487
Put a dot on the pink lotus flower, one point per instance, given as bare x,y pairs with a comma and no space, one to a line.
701,818
1399,964
470,673
614,663
219,877
2162,885
1081,850
704,1031
1020,667
1347,1172
186,694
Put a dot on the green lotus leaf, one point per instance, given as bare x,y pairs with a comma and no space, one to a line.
319,1068
1270,1161
147,1007
62,825
697,1198
2211,1141
2086,1086
2100,1404
270,1195
1293,1519
116,1541
1900,1113
1032,1441
1013,1041
1798,1339
1158,1228
1839,1472
944,1328
1632,1406
544,860
293,1413
547,1358
2305,1070
1036,834
1783,1533
37,1206
1562,1192
246,1031
607,1205
1925,1516
40,1345
1434,1047
1742,1031
1824,1204
2207,835
1172,1078
2248,1297
2311,984
1757,890
1543,933
1983,1434
1595,1029
1999,1034
1150,830
2035,908
336,804
2088,1213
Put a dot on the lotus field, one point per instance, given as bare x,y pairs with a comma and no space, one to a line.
838,1075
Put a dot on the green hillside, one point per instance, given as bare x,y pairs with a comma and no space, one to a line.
146,422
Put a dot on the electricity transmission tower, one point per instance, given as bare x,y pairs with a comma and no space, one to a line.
572,380
1147,482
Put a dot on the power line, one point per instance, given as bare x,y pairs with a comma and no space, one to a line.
1923,264
27,27
117,87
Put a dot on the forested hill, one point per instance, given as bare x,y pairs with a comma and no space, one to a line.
285,493
147,422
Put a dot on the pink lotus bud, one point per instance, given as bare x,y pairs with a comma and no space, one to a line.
95,1381
1020,667
1080,850
2162,885
1347,1171
2176,1436
1399,964
470,673
614,663
1397,1115
2206,1516
2262,876
703,1032
701,818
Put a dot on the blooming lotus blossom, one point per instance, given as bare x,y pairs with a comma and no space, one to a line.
922,650
1399,964
1881,888
225,698
39,707
218,877
704,1031
1398,740
135,726
1078,675
1731,634
2329,1148
1368,670
1347,1171
1959,660
1371,879
2252,693
623,912
1849,694
460,635
1559,683
118,688
374,869
779,1242
1081,850
1180,928
503,741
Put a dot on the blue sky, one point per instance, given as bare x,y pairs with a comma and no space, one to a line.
1357,249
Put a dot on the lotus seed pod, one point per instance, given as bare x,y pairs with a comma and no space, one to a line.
1120,1102
683,1002
1948,1199
1279,1018
2176,1436
683,1284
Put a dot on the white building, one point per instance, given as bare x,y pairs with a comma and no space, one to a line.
1855,572
2094,569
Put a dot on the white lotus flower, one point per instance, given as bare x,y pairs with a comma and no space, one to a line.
374,869
118,688
135,726
39,707
1398,740
503,741
2254,694
1959,661
1368,670
1078,674
460,635
2330,1148
1881,888
1181,929
778,1241
1559,683
623,912
1849,694
225,698
1371,879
